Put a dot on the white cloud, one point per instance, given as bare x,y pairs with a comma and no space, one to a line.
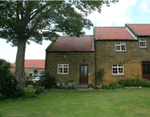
36,51
117,14
144,7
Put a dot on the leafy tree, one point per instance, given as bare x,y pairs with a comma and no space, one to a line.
35,71
25,21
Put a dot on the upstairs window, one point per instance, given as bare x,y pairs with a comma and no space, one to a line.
142,43
118,69
120,46
63,69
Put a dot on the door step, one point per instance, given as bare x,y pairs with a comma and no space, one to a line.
82,86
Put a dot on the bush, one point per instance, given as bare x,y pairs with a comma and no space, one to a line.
39,90
143,83
47,80
91,86
29,91
114,85
67,85
8,83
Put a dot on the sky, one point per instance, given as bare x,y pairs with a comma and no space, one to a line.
118,14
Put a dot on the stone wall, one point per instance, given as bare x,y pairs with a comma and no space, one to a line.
74,59
106,56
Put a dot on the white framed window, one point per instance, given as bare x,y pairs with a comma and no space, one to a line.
63,69
118,69
120,46
142,43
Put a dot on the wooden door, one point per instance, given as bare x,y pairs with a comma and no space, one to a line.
83,74
146,69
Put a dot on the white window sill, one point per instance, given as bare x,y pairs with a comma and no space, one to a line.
143,47
117,74
121,51
63,73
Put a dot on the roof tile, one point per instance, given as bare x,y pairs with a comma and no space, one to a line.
112,33
67,43
33,64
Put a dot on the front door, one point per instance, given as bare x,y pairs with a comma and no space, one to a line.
146,69
83,74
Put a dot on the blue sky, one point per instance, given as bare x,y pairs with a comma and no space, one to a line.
125,11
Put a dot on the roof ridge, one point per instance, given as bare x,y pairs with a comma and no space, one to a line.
75,36
139,24
111,27
35,60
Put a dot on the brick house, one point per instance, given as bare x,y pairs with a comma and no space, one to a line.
123,52
30,65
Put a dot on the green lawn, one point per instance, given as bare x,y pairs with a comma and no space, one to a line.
111,103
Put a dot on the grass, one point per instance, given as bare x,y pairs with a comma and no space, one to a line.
111,103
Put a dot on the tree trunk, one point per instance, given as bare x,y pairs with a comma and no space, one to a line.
20,63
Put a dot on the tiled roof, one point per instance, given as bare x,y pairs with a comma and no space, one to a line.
112,33
33,64
140,29
67,43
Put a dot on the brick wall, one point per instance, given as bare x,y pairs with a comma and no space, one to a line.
106,56
74,59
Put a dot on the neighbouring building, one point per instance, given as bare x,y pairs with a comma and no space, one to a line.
30,66
123,52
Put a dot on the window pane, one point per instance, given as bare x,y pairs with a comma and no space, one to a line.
123,43
114,70
114,65
144,69
120,65
142,44
82,70
142,39
65,70
148,69
123,47
85,70
60,70
120,70
117,47
65,66
118,43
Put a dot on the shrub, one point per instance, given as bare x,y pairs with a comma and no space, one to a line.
29,91
144,83
39,90
67,85
47,80
129,82
91,85
114,85
8,83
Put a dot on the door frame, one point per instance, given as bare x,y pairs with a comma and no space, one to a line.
146,62
87,73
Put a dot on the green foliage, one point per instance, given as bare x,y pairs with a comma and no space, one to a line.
67,85
143,83
100,73
47,80
39,89
37,83
91,86
29,91
35,71
8,83
128,82
95,86
114,85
